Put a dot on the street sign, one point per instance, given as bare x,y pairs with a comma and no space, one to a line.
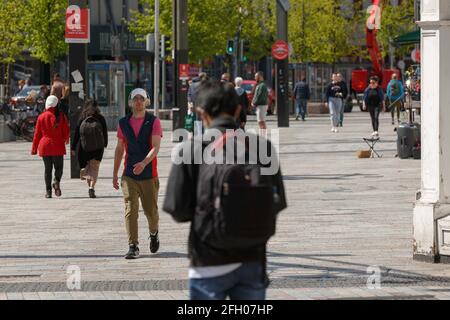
78,26
184,71
150,42
280,50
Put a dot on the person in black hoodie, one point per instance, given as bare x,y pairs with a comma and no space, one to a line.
215,274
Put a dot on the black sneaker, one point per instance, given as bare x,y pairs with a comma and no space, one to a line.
133,253
154,243
48,194
92,194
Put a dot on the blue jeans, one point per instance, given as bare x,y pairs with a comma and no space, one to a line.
245,283
335,105
302,107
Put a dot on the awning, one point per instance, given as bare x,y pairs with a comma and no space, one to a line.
407,38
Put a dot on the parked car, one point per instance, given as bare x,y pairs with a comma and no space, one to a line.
19,100
249,87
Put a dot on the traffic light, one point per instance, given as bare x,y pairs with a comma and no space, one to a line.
165,46
245,50
230,47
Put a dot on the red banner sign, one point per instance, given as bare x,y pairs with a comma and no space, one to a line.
77,25
184,71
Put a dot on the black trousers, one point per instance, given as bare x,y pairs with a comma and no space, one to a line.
375,115
50,163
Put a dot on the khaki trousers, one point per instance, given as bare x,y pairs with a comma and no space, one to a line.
147,191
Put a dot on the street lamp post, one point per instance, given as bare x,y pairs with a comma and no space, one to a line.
77,65
180,55
157,59
282,66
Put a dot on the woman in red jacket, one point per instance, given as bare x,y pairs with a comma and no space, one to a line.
50,138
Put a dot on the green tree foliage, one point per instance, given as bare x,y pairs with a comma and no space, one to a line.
212,23
12,28
396,20
323,31
45,25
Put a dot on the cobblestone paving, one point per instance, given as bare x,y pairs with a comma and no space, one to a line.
345,215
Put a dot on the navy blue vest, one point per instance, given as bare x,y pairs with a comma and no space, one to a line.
138,148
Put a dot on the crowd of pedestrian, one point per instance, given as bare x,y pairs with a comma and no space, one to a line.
230,262
229,230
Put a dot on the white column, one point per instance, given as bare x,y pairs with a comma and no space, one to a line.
432,209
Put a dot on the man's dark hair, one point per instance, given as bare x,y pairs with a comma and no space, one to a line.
375,78
216,98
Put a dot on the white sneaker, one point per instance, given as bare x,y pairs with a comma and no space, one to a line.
332,129
336,130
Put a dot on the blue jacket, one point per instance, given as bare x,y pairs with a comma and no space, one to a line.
400,95
371,103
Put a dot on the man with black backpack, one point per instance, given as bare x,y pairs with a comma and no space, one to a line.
232,205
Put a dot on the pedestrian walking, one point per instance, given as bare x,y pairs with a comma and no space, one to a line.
192,95
344,87
89,143
243,102
261,100
396,95
374,102
50,138
227,261
139,137
302,94
334,95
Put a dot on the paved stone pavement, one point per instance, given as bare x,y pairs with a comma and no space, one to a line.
345,215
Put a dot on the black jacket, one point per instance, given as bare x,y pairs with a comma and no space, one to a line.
335,90
180,203
344,87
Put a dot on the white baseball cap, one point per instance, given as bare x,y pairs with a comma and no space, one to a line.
139,92
51,102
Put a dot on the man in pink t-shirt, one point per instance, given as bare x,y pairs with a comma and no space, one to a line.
139,139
